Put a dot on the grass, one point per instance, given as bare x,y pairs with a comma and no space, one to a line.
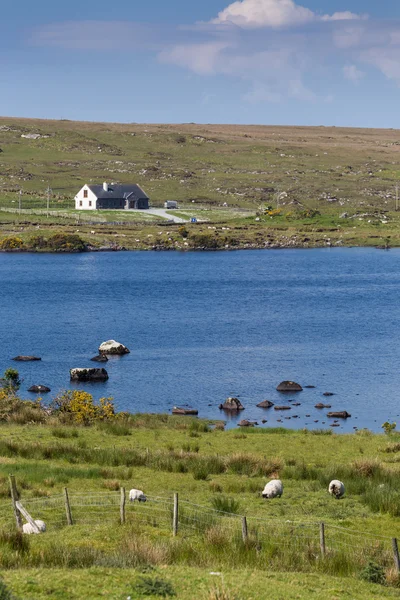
215,469
221,175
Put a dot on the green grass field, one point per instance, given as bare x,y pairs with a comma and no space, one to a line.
98,557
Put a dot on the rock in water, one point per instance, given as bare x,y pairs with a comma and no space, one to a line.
265,404
339,415
113,347
39,389
88,375
233,404
178,410
246,423
289,386
26,358
100,358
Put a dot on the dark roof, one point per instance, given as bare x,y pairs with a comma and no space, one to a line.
118,191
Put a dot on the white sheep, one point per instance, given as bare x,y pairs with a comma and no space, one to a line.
273,489
28,529
336,488
137,495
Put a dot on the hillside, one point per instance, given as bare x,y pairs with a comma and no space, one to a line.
220,174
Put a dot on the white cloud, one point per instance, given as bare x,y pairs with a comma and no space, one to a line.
352,73
274,13
200,58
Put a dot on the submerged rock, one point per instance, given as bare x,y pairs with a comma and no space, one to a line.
88,375
26,358
232,404
100,358
113,347
343,414
246,423
289,386
265,404
39,389
320,405
283,408
178,410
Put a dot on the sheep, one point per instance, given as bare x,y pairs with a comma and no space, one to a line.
273,489
28,529
336,488
137,495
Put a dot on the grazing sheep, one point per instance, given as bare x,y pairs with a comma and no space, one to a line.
336,488
137,495
28,529
273,489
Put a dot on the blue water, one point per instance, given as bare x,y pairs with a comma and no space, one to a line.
205,326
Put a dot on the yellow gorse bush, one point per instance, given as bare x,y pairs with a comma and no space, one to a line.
82,408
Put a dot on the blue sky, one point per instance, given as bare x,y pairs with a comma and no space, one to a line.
306,62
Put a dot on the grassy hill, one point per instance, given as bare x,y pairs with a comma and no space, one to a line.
308,177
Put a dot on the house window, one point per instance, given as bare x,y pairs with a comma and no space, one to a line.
80,202
85,193
90,203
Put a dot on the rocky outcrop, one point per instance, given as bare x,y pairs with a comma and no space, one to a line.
26,358
114,348
246,423
289,386
232,404
265,404
343,414
88,375
39,389
179,410
100,358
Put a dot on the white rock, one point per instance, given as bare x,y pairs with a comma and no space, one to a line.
113,347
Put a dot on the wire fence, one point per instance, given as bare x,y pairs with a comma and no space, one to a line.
311,540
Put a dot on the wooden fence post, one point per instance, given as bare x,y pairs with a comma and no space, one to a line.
67,507
175,519
14,499
396,554
245,532
122,506
322,539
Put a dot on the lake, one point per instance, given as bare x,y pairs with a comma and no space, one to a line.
204,326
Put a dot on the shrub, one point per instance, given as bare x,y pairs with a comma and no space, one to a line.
205,240
373,573
148,586
79,406
66,243
226,504
37,242
11,380
388,428
11,243
183,231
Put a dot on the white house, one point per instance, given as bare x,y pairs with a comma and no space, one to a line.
110,196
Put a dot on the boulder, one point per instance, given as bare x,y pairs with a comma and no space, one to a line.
320,405
265,404
232,404
327,394
178,410
289,386
343,414
88,375
39,389
282,408
100,358
26,358
246,423
113,347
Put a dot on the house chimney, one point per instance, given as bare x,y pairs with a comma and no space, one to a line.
105,186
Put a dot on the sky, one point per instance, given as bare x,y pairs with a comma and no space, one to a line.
305,62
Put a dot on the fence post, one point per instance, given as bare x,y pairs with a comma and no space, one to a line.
175,519
322,538
245,533
122,506
67,507
396,554
14,499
